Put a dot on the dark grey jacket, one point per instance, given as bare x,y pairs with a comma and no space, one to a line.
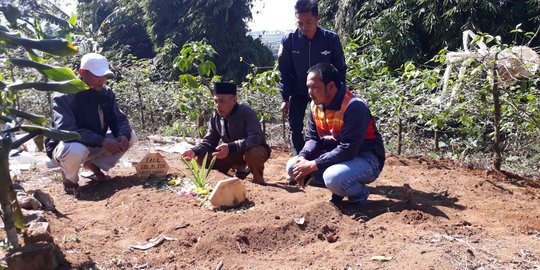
90,113
241,131
297,54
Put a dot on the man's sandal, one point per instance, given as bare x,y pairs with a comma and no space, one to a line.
70,187
95,177
98,178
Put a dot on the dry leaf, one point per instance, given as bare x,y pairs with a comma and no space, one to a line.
153,242
300,221
381,258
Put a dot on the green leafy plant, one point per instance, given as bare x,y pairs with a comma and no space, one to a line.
416,115
199,174
13,119
196,81
260,91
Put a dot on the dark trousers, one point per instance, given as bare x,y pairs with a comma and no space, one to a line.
297,112
254,158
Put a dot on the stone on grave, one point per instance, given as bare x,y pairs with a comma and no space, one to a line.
153,164
229,193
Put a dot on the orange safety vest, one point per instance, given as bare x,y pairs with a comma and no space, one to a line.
329,123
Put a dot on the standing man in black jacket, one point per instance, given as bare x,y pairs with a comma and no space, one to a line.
91,113
310,44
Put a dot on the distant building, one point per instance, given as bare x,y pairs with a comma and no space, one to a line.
272,39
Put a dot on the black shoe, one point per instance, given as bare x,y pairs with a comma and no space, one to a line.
243,174
336,199
292,182
70,187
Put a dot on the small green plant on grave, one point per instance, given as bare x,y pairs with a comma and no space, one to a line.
200,174
4,244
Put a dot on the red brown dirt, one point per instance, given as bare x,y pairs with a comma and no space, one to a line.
459,218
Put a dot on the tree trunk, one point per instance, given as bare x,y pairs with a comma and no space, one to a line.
399,135
7,198
436,138
284,127
141,106
497,156
49,102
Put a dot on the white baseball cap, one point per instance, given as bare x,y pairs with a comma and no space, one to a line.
96,63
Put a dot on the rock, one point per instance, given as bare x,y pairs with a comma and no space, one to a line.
45,199
28,202
38,232
407,193
229,193
40,256
331,238
33,215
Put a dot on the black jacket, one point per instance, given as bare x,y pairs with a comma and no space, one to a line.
241,131
81,113
297,54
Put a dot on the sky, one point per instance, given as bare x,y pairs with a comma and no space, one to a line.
272,15
267,14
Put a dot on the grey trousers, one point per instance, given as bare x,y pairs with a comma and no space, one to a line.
71,155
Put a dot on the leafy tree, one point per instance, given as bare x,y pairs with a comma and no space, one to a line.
222,24
170,24
118,26
146,101
416,30
416,115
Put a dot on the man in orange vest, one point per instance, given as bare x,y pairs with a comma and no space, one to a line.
343,148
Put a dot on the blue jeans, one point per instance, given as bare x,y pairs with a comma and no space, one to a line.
297,112
349,178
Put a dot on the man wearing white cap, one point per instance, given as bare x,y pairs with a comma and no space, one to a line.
94,114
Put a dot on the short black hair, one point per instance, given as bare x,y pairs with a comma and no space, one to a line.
303,6
326,72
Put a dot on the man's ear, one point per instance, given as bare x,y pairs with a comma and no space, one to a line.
81,71
331,85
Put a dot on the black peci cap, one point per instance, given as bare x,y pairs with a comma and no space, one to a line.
222,88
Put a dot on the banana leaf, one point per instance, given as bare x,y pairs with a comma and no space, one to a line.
34,118
52,8
33,55
6,119
73,19
60,47
110,19
18,143
55,20
67,87
51,72
55,134
12,14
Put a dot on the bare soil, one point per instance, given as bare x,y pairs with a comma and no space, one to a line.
457,218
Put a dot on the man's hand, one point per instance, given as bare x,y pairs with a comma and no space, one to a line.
285,108
222,151
111,145
188,154
123,142
302,169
